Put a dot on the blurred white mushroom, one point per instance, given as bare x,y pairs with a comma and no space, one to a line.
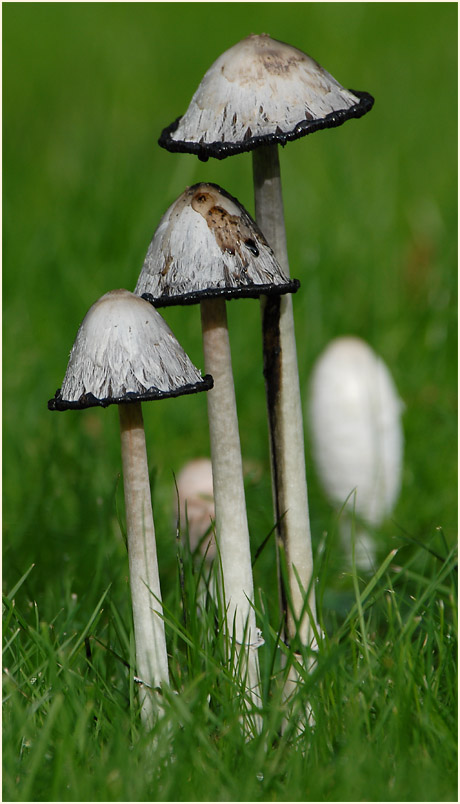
196,505
354,414
194,502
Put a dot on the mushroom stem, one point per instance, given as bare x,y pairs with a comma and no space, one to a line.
149,632
284,405
232,532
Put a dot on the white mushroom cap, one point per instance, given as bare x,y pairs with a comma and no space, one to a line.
124,352
261,91
206,245
196,503
355,423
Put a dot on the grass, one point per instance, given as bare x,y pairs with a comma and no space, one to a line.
383,695
371,213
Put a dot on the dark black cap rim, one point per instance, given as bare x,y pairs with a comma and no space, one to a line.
220,150
90,401
244,292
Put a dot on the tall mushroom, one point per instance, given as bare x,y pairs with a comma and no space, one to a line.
207,249
256,95
125,354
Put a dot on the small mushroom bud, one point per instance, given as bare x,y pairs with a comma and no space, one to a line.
195,496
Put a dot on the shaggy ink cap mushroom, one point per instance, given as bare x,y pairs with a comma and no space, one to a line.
125,352
206,250
207,246
261,92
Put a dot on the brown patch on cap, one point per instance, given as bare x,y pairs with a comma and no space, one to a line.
277,64
167,265
230,231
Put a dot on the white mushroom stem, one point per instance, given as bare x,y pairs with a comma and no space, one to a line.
232,532
149,631
284,404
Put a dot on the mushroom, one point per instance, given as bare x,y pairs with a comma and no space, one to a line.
207,249
256,95
125,354
260,92
354,413
196,510
195,499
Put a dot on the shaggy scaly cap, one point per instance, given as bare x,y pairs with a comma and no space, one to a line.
124,351
258,92
206,245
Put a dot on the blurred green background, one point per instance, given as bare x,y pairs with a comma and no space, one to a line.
371,212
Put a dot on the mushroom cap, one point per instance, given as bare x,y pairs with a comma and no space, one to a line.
195,494
206,245
125,352
261,92
355,424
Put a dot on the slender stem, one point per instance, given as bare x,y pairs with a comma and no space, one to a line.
284,404
232,532
149,632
